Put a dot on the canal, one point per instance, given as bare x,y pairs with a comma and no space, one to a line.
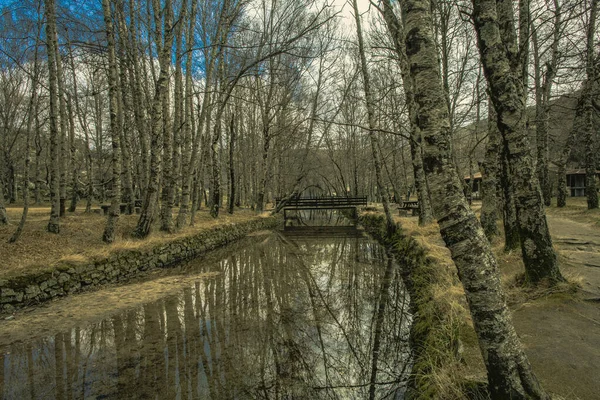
304,313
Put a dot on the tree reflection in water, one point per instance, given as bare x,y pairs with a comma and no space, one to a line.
301,318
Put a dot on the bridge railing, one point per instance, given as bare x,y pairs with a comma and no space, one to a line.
323,202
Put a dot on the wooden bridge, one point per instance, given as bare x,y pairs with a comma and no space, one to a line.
321,203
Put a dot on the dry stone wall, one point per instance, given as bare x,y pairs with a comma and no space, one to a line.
67,278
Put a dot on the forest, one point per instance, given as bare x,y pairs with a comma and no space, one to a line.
160,109
235,103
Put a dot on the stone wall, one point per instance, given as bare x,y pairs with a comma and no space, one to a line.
67,278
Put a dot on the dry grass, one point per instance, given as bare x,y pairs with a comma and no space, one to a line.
448,293
80,238
511,268
576,210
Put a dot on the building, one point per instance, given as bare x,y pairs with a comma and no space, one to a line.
476,184
576,182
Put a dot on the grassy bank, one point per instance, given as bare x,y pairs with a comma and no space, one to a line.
80,239
66,276
447,362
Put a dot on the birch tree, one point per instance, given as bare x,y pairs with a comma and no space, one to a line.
51,44
375,148
115,127
509,372
502,66
164,47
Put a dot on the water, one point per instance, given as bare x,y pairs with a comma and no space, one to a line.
289,316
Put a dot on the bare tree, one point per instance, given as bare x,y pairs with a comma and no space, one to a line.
395,28
501,61
164,49
115,128
51,43
31,119
382,188
588,94
509,372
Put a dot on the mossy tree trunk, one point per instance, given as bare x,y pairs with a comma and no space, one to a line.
509,371
499,57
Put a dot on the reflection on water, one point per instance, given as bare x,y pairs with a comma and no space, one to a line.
289,318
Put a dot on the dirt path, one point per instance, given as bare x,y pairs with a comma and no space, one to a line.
579,246
561,333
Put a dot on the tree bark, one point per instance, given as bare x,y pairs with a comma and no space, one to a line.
151,197
396,31
509,372
89,162
3,215
191,138
125,110
506,92
73,154
231,199
589,92
115,128
64,152
51,43
31,116
490,171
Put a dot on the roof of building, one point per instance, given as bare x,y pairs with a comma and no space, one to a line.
475,176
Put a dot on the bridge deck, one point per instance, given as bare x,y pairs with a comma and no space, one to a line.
324,203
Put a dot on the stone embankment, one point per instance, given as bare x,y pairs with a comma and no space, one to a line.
71,277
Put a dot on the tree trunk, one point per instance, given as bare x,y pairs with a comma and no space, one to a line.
31,116
397,33
115,128
172,134
89,162
231,199
3,215
506,92
125,108
73,154
151,197
509,372
191,138
51,43
64,152
589,93
215,177
381,187
166,211
490,171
